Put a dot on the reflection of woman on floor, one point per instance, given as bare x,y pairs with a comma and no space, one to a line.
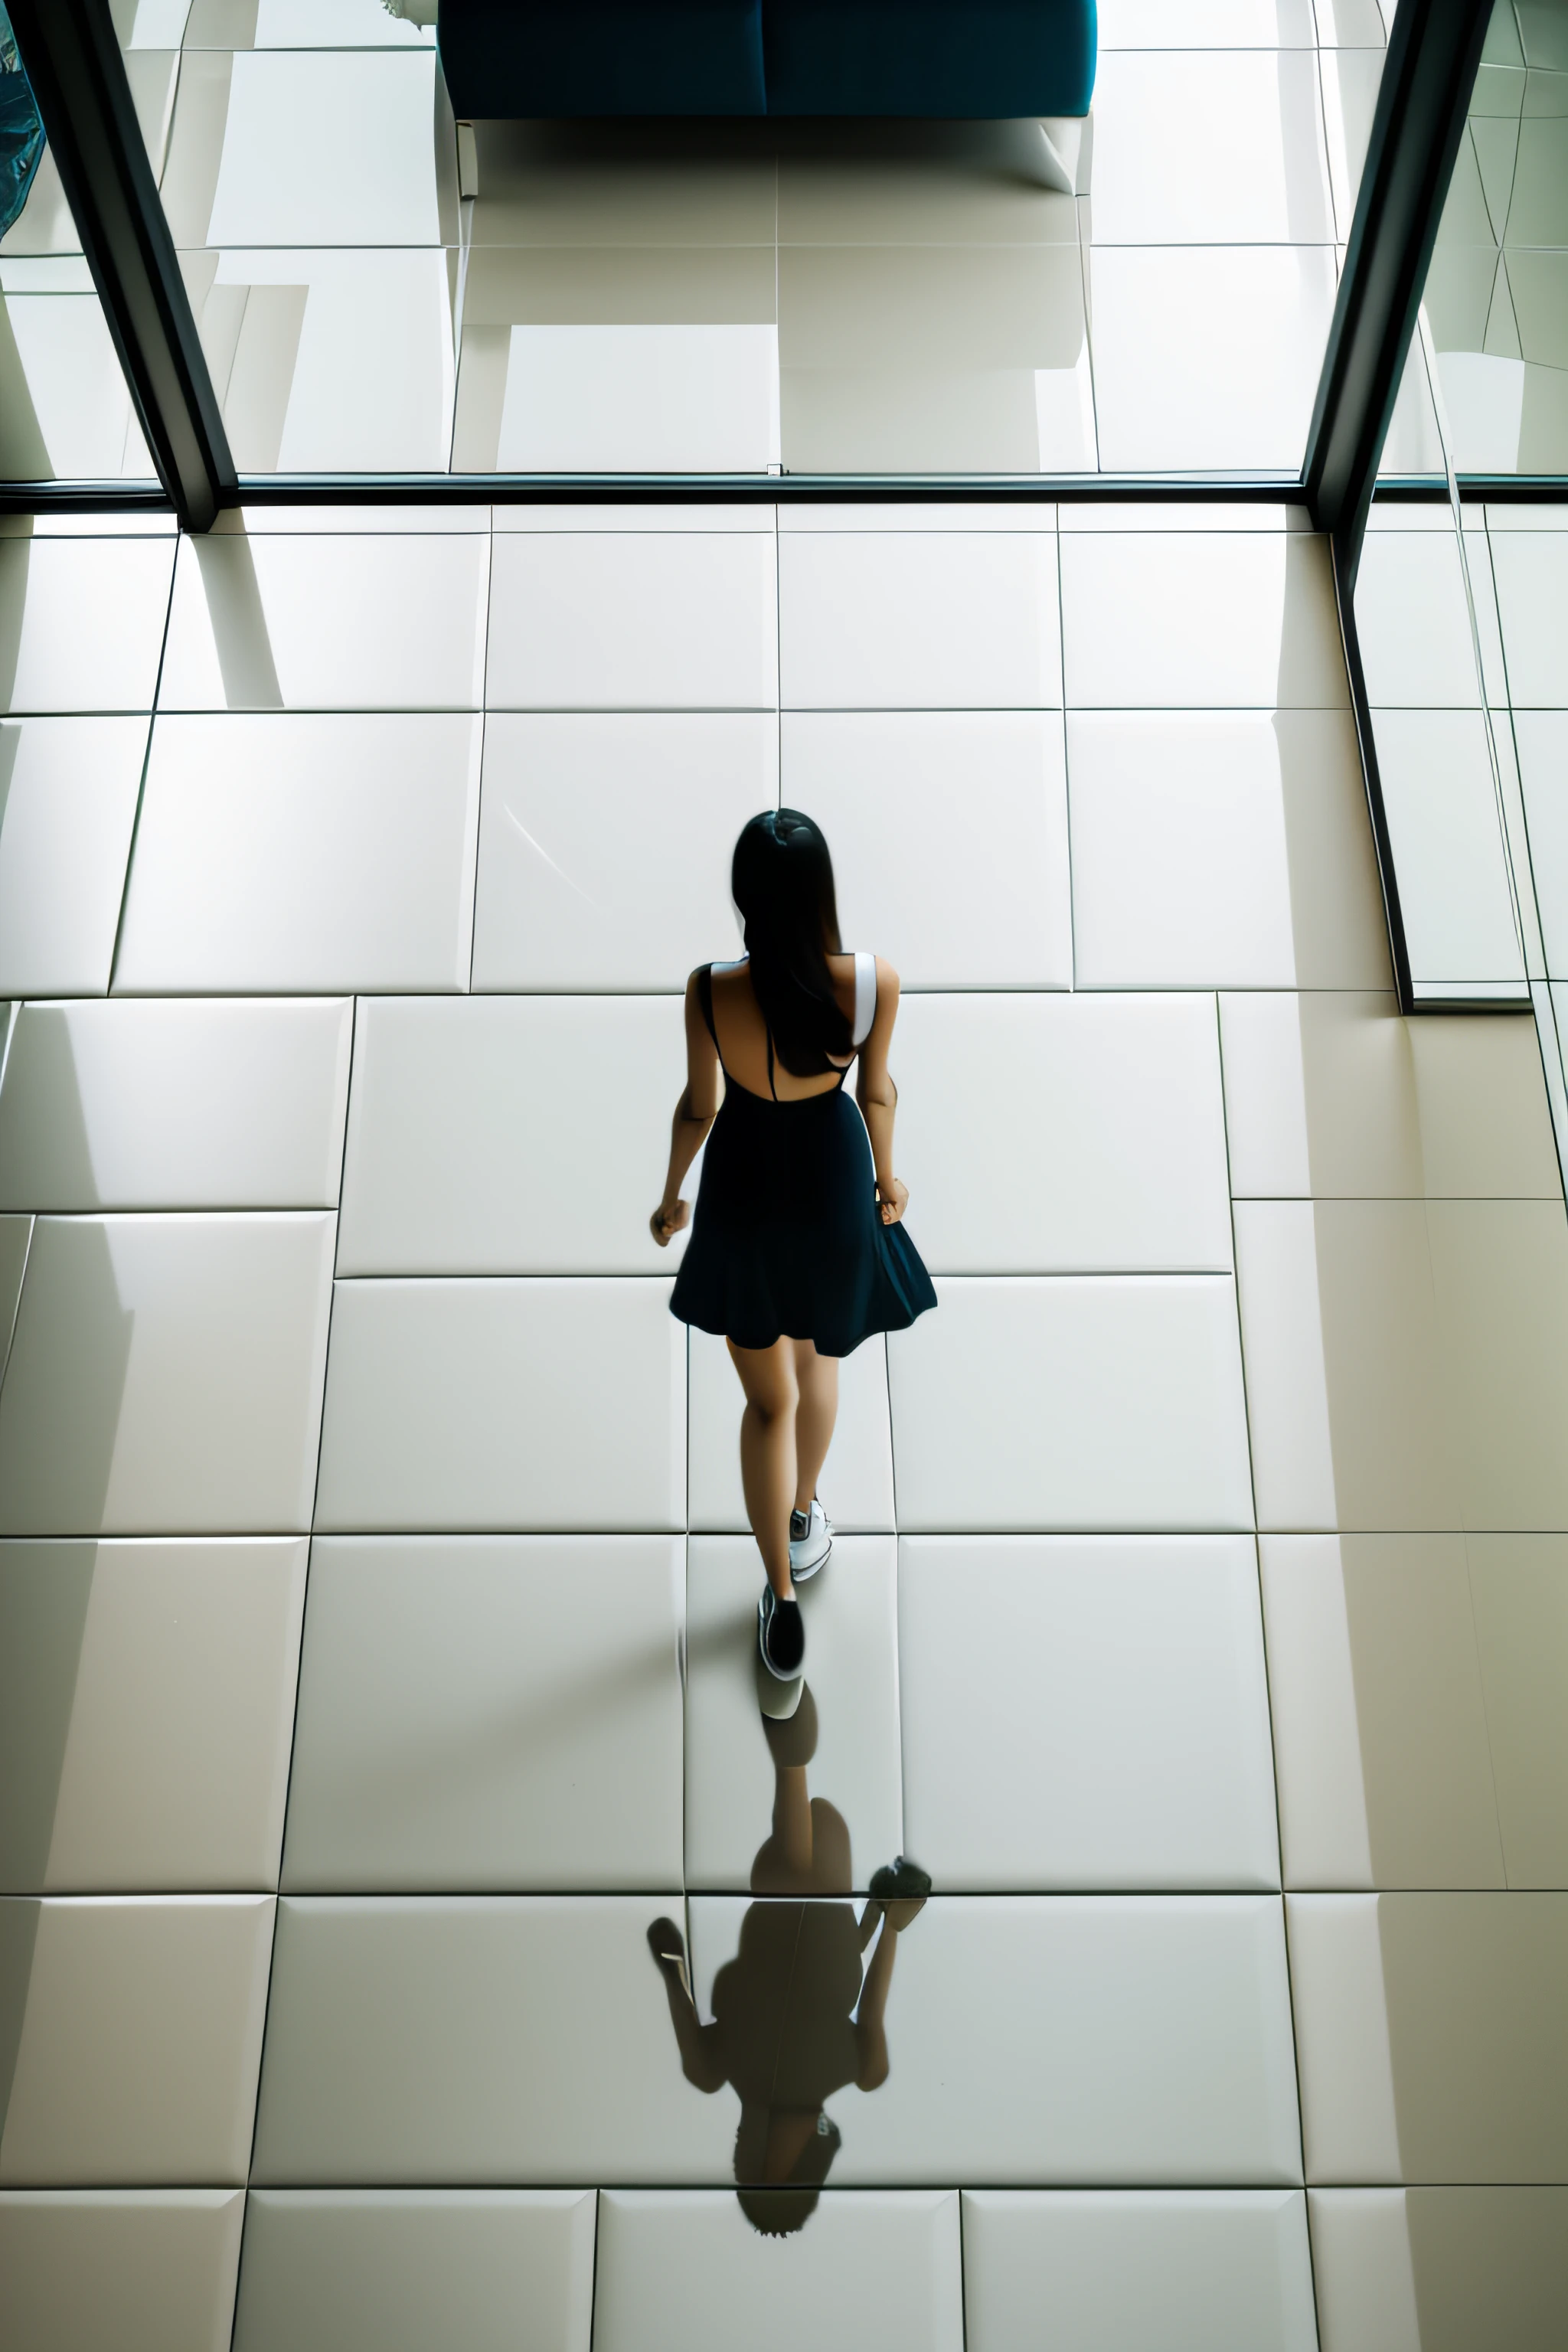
797,1253
796,2013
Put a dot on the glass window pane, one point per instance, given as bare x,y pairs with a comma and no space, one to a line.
1130,292
65,411
1495,306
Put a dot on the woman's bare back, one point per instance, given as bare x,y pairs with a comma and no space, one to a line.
742,1034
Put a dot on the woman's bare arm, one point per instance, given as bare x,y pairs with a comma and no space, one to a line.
694,1115
878,1096
870,2017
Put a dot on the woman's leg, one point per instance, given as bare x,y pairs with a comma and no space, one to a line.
767,1451
817,1376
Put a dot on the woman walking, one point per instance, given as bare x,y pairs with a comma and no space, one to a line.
798,1251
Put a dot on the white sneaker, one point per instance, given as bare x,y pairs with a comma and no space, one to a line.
810,1541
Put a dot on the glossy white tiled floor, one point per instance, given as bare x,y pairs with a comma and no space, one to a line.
732,297
375,1599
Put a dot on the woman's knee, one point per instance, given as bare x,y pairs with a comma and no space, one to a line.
768,1377
778,1401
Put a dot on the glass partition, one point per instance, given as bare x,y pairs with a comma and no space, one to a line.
65,411
382,289
1487,384
1455,609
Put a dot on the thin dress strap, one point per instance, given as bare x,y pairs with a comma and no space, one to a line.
865,996
769,1035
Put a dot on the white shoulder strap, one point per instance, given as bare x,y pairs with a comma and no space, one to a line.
865,996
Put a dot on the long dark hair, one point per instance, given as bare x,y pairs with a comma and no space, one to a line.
782,881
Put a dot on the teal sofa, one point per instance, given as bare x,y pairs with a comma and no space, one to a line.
990,59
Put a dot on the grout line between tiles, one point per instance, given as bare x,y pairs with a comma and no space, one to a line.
1262,1627
10,1340
141,780
598,2195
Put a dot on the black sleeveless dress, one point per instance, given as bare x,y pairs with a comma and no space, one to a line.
787,1239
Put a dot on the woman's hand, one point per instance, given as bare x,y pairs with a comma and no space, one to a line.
892,1199
665,1224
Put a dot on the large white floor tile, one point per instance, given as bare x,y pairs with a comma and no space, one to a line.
1332,1092
1490,2261
327,622
346,2270
1518,1588
1162,516
604,845
1405,1362
474,2040
1072,1403
81,622
439,520
489,1405
1362,2270
1474,1991
1433,1812
1274,189
627,620
932,418
687,2272
462,1157
146,2270
343,361
292,854
147,1696
1464,1993
1063,1134
1225,849
540,187
878,186
1346,1394
1414,622
67,405
1089,2040
857,1479
165,1376
137,2031
367,120
1087,1712
1351,24
67,805
1499,1272
1167,620
488,1711
1381,1723
646,398
740,1794
897,620
1190,2270
1324,1837
1208,356
1530,569
1208,25
15,1240
659,521
1350,2126
1030,516
174,1105
949,836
